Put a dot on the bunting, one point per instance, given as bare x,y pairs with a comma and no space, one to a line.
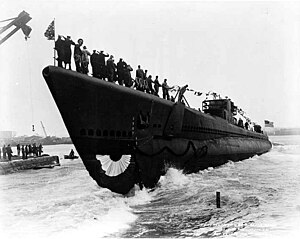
177,88
50,32
197,93
214,95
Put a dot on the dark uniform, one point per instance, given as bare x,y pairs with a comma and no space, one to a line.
121,66
67,51
26,151
40,150
23,152
182,90
140,73
102,67
4,151
149,81
111,67
18,149
77,55
127,76
95,69
166,89
9,152
156,86
59,47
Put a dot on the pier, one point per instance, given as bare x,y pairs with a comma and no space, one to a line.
7,167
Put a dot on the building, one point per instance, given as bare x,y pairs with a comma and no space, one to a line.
7,134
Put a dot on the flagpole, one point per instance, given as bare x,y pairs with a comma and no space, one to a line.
54,52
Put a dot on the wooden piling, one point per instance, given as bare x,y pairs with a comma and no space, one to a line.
218,199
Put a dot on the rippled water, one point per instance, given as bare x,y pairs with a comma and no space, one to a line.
260,198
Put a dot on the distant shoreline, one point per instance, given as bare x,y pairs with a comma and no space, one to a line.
282,131
25,140
53,140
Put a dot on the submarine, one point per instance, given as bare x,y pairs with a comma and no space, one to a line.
126,137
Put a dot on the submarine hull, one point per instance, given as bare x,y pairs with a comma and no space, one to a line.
104,118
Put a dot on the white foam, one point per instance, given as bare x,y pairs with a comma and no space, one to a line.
116,220
174,177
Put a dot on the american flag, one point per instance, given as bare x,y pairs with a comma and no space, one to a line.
50,32
269,123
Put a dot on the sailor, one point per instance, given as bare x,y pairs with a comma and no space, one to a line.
127,76
67,51
156,86
18,149
29,149
240,123
34,150
23,152
166,89
40,150
149,88
4,151
102,58
140,73
94,63
234,121
85,60
26,151
77,55
71,154
257,128
111,67
59,47
121,66
182,90
141,84
102,66
247,125
9,152
145,74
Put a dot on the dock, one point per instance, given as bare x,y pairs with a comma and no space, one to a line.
15,165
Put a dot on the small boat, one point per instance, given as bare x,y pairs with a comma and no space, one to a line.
70,157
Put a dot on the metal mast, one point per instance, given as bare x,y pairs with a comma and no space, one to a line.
44,129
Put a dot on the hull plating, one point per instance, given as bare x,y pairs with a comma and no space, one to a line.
108,119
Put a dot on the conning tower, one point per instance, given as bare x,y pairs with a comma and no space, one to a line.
223,108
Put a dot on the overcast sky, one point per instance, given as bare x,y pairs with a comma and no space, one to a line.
249,51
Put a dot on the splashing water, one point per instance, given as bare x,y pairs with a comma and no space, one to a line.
62,202
260,198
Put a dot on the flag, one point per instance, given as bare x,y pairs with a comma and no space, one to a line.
269,123
50,32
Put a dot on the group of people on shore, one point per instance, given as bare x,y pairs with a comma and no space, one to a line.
7,151
107,69
25,150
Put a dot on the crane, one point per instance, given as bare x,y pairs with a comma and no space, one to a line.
20,23
44,129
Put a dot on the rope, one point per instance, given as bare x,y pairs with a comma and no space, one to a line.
30,87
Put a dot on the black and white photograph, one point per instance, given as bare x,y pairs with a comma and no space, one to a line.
149,119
